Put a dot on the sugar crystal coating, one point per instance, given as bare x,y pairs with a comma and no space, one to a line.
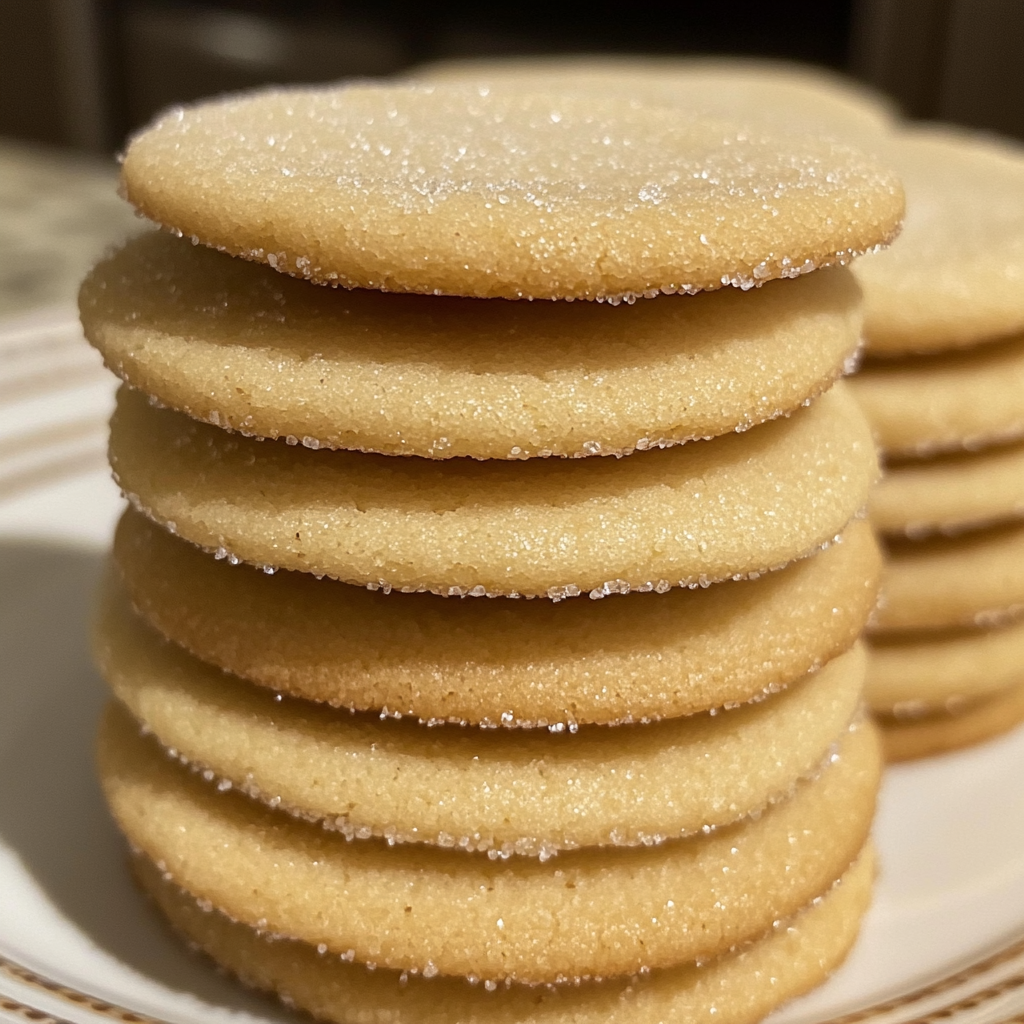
492,193
746,984
245,348
520,793
619,909
688,515
503,663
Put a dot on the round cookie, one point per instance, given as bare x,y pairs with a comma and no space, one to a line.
509,663
788,97
950,492
972,579
937,403
739,988
688,515
509,792
957,276
931,672
239,346
586,913
453,190
904,740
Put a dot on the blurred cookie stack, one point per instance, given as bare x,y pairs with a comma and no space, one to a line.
944,389
776,95
477,734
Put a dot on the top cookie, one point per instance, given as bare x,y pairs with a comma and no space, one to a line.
957,275
500,193
787,96
242,347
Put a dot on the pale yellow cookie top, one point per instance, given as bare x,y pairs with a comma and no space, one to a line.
926,672
458,190
583,913
975,578
737,988
509,663
237,345
948,493
687,515
511,792
787,96
923,404
956,276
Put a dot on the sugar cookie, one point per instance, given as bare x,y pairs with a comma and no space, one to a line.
790,97
957,275
511,792
938,403
972,579
503,194
904,740
687,515
595,912
952,492
739,988
922,672
240,346
504,662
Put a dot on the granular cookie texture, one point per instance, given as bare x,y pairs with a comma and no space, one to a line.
949,493
242,347
509,793
502,193
688,515
789,97
957,276
973,579
739,988
596,912
904,740
506,663
927,404
918,673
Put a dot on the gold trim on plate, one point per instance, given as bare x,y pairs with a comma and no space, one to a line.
945,1012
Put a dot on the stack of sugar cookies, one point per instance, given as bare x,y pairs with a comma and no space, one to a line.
944,391
475,734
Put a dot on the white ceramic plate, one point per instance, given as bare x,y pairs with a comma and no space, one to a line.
944,939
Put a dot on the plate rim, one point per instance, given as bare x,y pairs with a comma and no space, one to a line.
974,999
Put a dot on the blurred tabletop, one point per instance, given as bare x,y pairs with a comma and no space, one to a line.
59,211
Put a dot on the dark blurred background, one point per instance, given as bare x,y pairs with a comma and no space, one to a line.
84,73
